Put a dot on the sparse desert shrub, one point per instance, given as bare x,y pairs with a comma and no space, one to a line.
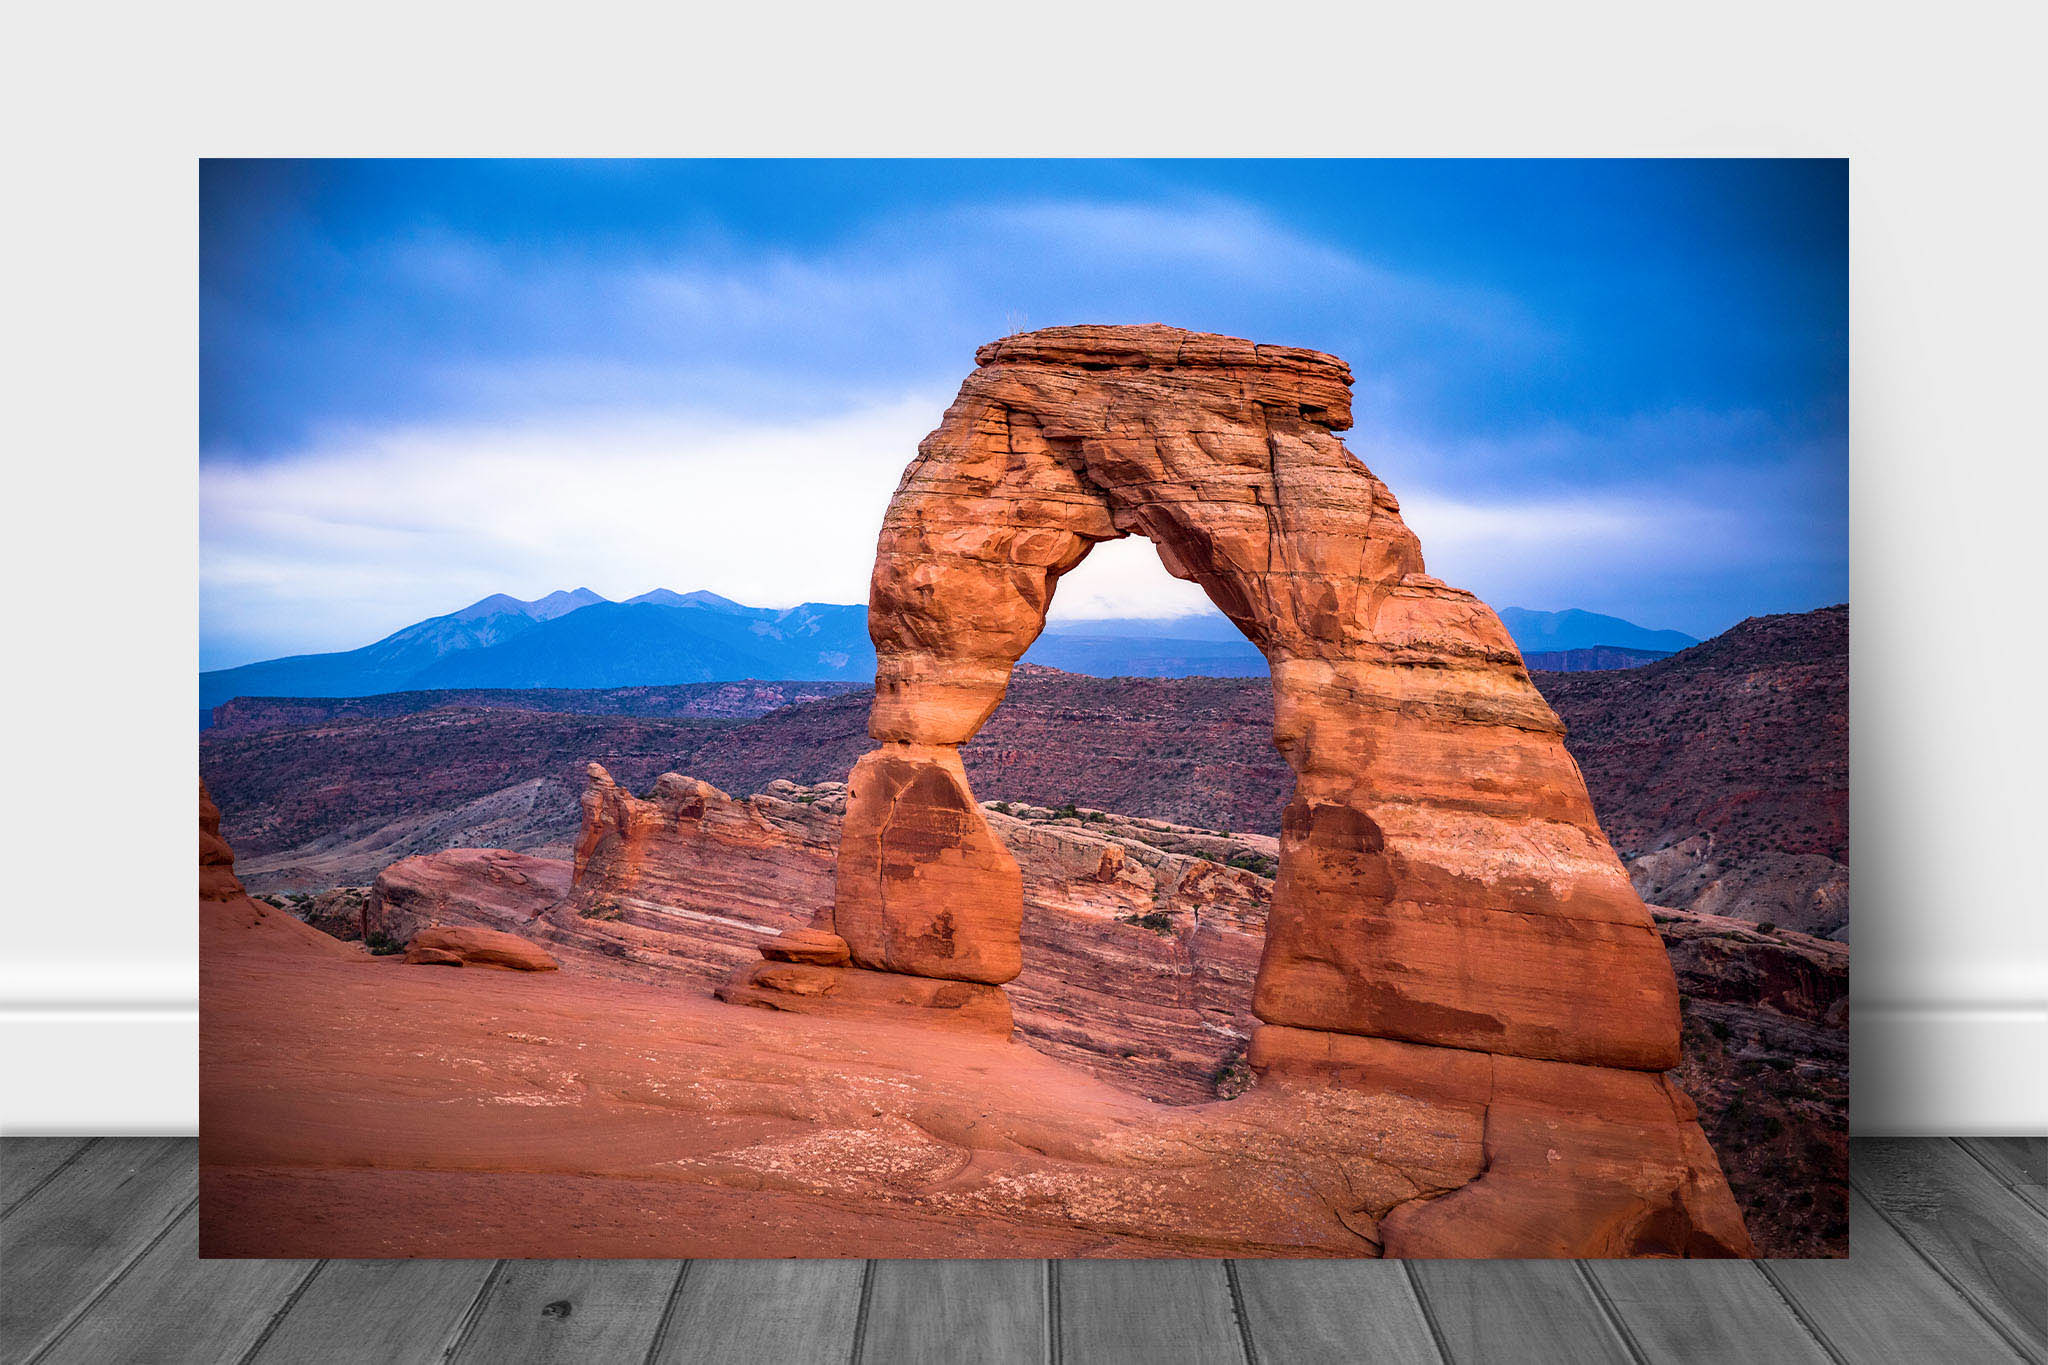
1158,921
382,944
1232,1078
603,910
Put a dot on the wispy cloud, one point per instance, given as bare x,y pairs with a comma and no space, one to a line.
491,330
343,542
1663,517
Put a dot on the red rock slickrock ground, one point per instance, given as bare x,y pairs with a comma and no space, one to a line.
357,1107
1142,938
1141,942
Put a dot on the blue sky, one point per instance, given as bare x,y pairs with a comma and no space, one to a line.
1616,385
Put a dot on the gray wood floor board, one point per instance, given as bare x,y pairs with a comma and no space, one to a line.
569,1311
764,1313
937,1312
1975,1232
28,1162
393,1312
1303,1311
2021,1163
1884,1302
2014,1161
169,1307
1140,1312
1703,1310
84,1226
1528,1311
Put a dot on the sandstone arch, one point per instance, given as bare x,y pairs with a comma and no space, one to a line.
1452,945
1443,879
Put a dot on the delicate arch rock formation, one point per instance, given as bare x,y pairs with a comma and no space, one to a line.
1443,879
1452,942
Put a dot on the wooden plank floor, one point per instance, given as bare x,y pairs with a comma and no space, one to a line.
98,1262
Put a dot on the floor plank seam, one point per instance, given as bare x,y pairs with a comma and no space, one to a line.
1799,1316
1613,1316
97,1297
60,1168
1977,1158
1052,1312
668,1312
2024,1193
475,1312
1989,1318
291,1301
1244,1322
1436,1331
860,1319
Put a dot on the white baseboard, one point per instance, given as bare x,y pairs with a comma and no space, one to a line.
1918,1070
99,1070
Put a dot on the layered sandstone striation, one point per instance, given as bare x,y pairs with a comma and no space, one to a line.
490,888
1139,938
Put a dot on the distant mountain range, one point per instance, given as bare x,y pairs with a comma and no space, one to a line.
1557,631
578,639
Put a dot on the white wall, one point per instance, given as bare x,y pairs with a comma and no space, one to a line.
97,961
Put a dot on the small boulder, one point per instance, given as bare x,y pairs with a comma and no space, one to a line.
816,946
466,946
